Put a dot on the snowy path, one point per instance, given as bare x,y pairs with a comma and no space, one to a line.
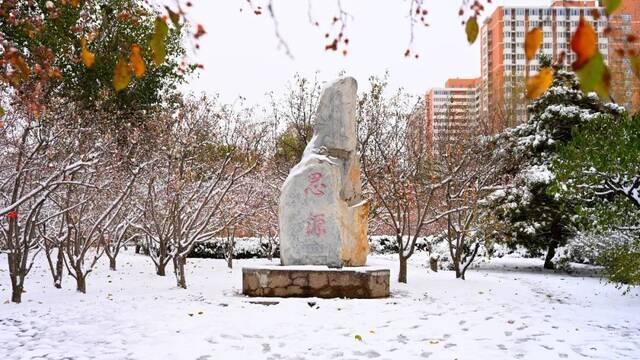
500,312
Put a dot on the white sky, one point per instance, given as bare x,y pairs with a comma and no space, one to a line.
241,57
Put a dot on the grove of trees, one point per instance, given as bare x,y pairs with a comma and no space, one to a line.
102,150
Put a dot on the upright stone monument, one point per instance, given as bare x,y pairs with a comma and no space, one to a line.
323,216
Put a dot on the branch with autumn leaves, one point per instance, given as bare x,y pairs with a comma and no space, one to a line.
590,66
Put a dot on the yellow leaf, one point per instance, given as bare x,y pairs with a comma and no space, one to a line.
358,338
537,85
635,65
87,56
532,43
121,75
137,62
595,76
157,44
472,29
584,43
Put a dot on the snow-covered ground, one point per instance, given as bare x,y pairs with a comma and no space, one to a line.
506,309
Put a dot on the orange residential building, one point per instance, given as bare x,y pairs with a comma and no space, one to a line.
452,110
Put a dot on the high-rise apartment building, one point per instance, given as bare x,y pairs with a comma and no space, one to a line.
449,110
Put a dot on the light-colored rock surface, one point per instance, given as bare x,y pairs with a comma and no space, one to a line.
323,218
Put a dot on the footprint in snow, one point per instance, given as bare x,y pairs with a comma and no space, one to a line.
369,354
502,347
402,339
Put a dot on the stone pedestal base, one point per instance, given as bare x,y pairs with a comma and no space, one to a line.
315,281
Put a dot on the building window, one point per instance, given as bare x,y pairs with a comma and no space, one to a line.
561,12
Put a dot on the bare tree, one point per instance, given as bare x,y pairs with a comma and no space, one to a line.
472,168
207,150
30,171
115,238
398,168
93,210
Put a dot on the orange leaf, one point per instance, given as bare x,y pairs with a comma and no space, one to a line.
584,43
199,31
532,43
87,56
20,64
121,75
537,85
137,62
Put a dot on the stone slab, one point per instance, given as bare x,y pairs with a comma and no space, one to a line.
364,282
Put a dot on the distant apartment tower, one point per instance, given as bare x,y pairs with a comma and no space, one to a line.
452,111
503,63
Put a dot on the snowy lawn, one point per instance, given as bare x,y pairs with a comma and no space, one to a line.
506,309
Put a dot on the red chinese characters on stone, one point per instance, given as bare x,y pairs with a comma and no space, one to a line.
316,187
315,225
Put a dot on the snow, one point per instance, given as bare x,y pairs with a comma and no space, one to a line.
538,174
507,308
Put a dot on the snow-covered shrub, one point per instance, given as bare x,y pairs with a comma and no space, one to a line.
387,244
245,248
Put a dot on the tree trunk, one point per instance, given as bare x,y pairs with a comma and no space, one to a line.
81,282
16,294
402,273
16,289
456,266
551,252
160,268
137,249
433,264
57,277
112,263
180,275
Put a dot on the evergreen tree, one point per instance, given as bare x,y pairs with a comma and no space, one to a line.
530,214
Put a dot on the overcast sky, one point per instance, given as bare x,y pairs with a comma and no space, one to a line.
241,57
